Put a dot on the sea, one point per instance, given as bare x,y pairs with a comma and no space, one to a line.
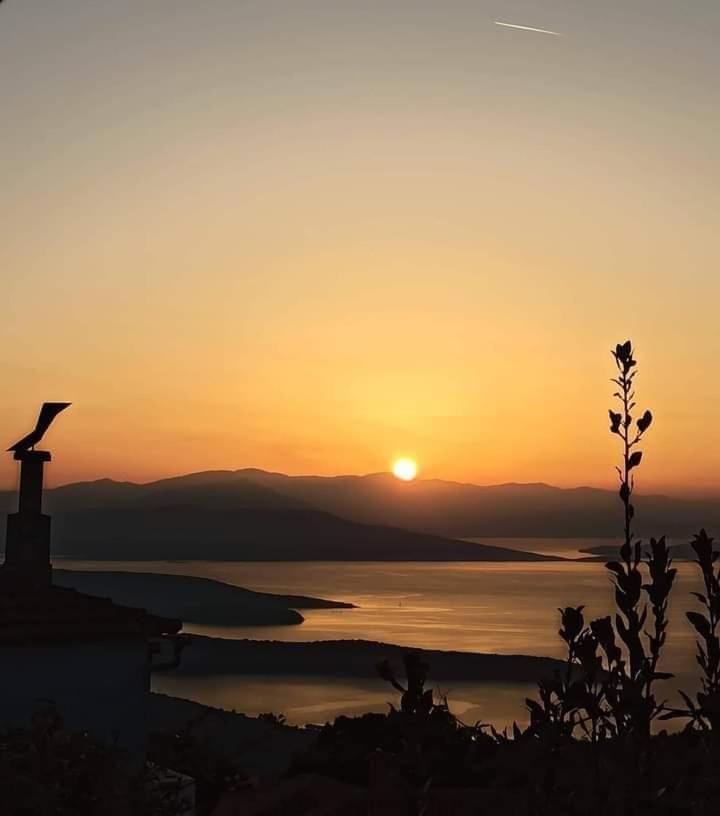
491,607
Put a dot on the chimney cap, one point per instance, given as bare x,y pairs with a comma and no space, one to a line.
48,412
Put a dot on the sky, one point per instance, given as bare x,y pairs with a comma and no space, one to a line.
315,235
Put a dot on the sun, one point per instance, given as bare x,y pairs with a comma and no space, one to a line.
405,469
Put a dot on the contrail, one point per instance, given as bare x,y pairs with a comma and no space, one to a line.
528,28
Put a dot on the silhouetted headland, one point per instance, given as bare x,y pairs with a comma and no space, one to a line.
194,600
352,658
680,551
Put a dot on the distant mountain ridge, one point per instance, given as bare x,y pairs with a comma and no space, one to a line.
228,516
464,510
260,515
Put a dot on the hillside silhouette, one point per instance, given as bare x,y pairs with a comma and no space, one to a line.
228,516
465,510
249,534
253,509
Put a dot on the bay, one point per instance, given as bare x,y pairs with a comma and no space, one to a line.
503,608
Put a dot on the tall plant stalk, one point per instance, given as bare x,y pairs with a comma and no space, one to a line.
611,694
622,424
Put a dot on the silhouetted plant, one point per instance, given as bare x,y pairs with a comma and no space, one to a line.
621,424
629,687
705,712
612,693
276,720
415,698
565,695
630,695
662,576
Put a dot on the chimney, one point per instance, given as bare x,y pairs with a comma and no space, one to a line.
27,548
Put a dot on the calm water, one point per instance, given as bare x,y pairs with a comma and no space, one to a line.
484,607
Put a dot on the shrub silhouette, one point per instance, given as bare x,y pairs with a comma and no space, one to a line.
415,699
704,713
48,769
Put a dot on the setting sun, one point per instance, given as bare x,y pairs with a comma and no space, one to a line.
405,469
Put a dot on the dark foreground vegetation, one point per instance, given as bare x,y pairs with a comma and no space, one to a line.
420,759
46,770
595,742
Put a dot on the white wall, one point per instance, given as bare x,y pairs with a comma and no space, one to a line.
101,687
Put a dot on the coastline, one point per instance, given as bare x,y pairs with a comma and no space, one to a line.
194,599
206,656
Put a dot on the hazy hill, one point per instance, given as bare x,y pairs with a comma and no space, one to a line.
456,509
192,531
225,515
507,510
209,489
255,515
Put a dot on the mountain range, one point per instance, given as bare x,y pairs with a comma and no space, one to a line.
253,514
513,510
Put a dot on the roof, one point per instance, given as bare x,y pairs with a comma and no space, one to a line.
62,614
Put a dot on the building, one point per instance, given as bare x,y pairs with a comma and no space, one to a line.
87,656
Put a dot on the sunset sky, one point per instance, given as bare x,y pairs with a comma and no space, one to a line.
315,235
